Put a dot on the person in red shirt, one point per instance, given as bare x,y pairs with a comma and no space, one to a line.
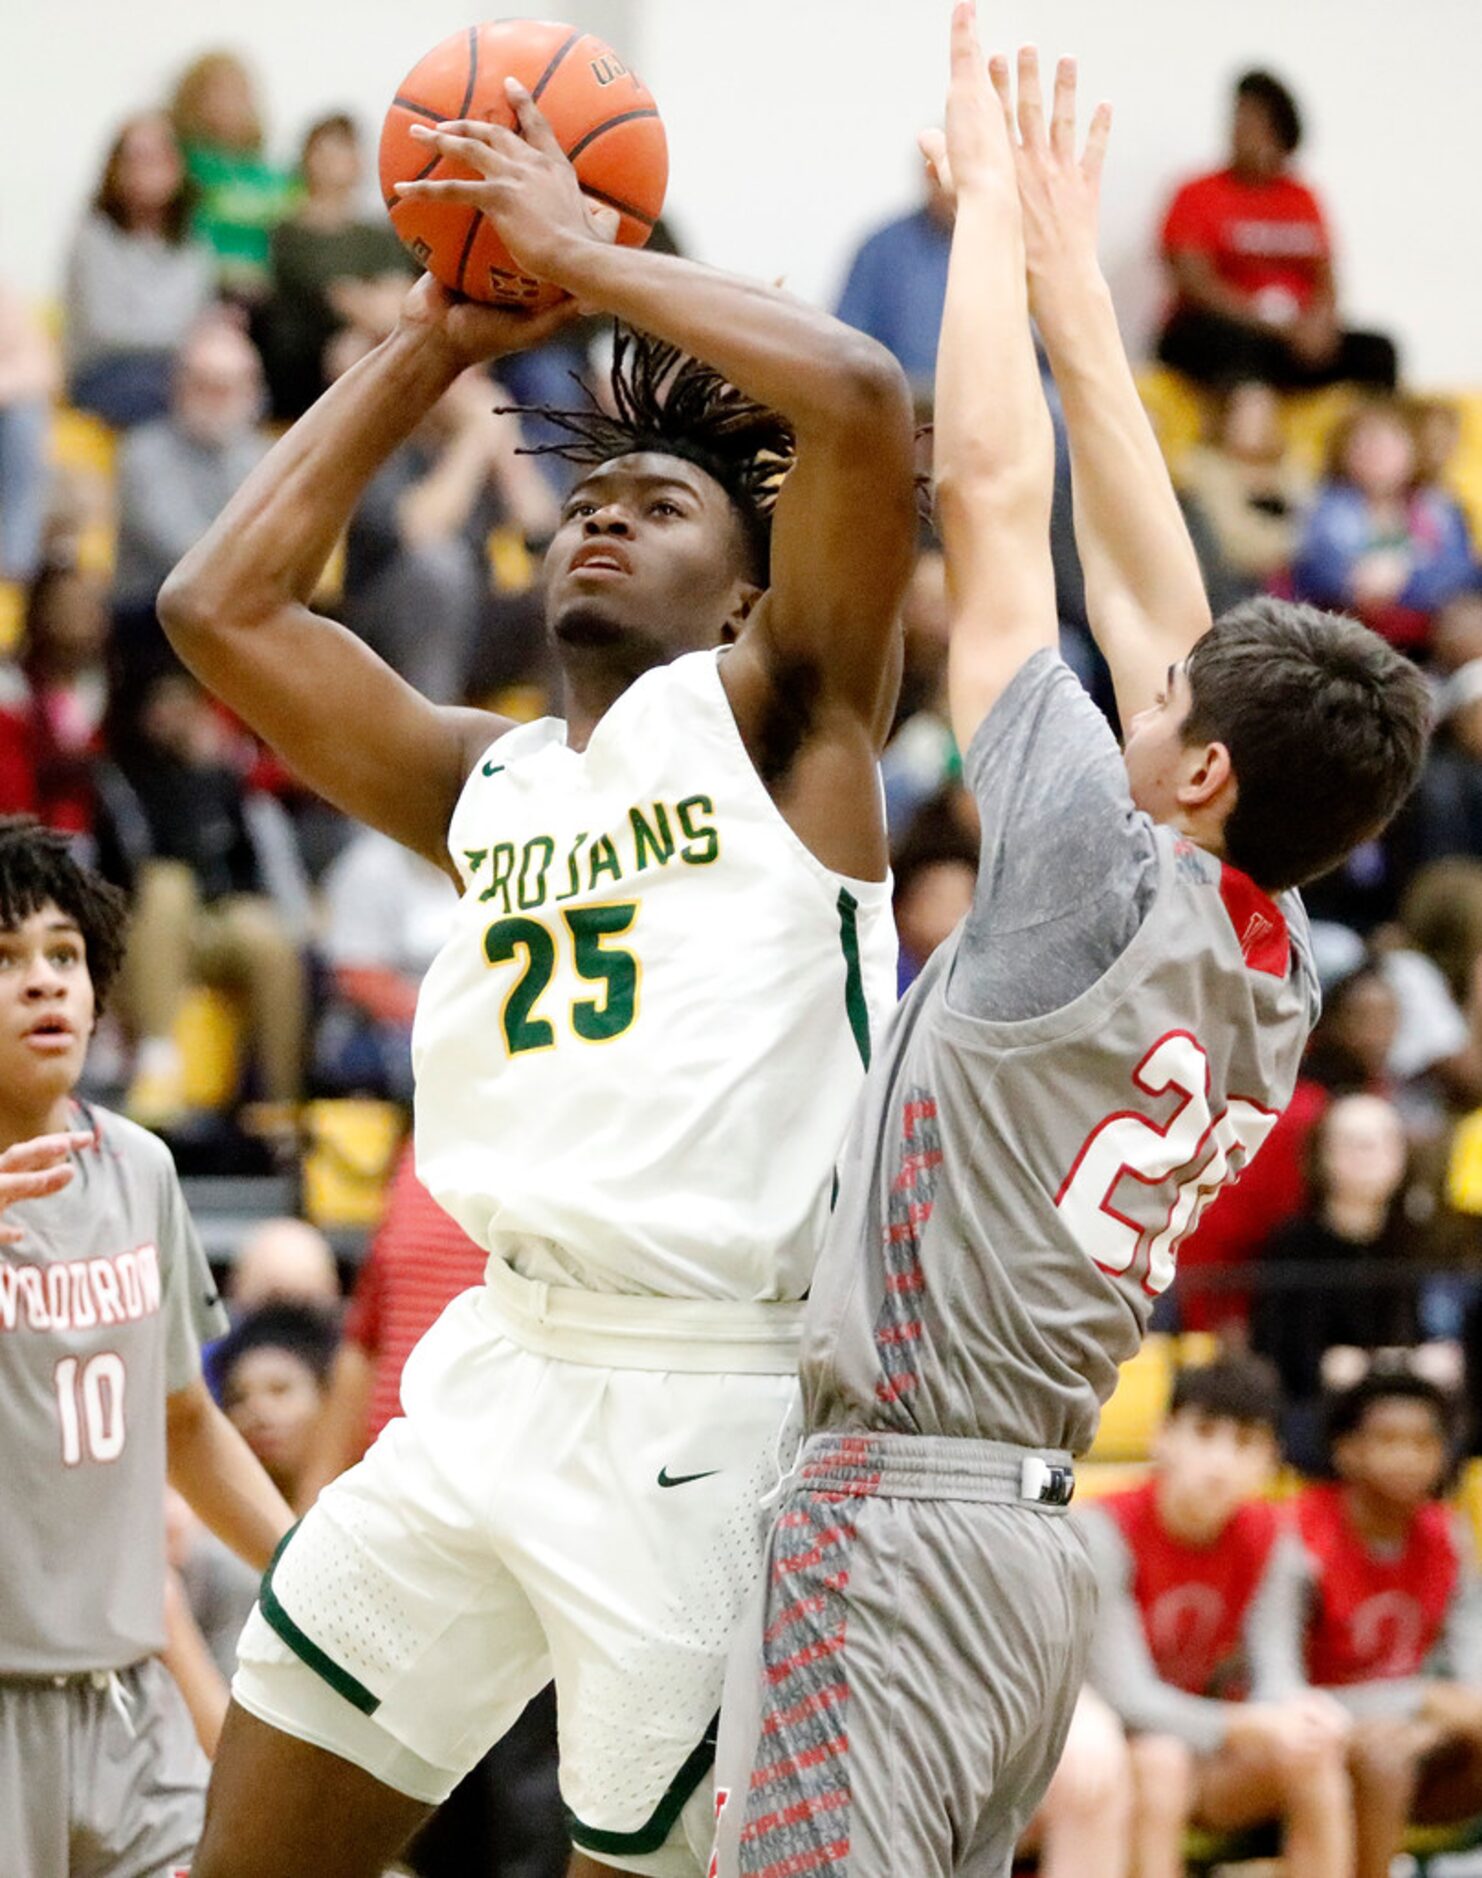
1387,1610
1250,259
1184,1564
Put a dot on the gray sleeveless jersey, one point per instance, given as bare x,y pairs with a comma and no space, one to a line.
1105,1041
103,1308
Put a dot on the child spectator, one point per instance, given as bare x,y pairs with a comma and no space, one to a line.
240,197
1250,262
136,282
1379,542
1357,1165
52,702
1385,1605
1186,1563
1248,487
331,267
28,378
271,1373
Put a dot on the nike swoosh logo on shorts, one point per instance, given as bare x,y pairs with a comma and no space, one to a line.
666,1479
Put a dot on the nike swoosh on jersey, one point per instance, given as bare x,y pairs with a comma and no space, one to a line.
492,769
666,1479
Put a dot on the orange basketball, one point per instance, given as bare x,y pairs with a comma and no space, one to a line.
606,121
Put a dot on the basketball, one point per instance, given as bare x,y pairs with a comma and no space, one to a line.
603,116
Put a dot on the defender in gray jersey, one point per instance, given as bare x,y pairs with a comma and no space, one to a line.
1104,1042
105,1298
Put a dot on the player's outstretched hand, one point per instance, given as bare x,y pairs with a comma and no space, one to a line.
31,1170
472,332
1059,190
524,184
974,154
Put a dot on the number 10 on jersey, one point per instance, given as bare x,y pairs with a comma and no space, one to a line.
535,945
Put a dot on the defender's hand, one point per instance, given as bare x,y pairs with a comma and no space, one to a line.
469,332
31,1170
978,155
1059,192
525,185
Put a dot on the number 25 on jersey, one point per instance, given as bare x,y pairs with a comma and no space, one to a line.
534,945
1126,1160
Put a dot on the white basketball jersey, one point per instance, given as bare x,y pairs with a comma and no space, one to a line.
637,1054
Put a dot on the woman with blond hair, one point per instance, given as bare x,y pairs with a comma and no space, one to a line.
240,195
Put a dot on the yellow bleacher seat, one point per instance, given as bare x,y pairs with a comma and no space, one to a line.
81,441
209,1033
1130,1419
12,616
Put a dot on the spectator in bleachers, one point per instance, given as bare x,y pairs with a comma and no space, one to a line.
136,280
283,1261
53,696
1186,1565
1250,264
1448,806
897,285
1083,1828
1248,486
418,583
332,266
922,754
1356,1187
272,1372
28,379
1380,542
505,1820
202,912
176,475
1382,1607
935,866
387,914
240,195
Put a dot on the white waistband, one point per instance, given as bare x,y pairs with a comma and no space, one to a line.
613,1330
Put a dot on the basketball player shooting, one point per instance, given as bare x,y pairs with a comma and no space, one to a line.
636,1057
1105,1041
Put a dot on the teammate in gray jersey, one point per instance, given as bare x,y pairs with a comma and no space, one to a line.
1104,1042
105,1298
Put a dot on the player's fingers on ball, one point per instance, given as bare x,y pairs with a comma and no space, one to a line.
1031,103
1062,116
473,151
1096,142
534,125
471,189
603,220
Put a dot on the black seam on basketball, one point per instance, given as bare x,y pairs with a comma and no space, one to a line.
428,167
616,202
624,117
418,110
473,70
473,229
550,71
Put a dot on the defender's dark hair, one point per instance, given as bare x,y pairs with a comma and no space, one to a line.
1266,90
303,1330
667,402
1326,726
1346,1410
1233,1388
37,866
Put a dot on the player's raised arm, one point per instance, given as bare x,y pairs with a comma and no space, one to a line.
843,536
995,453
1144,593
236,608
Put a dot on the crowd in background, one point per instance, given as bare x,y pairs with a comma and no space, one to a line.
212,293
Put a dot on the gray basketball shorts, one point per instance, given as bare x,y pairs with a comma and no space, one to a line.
900,1697
100,1777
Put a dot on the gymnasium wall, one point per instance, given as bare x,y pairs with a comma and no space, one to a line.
792,120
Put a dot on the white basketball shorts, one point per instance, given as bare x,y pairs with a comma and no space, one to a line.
577,1489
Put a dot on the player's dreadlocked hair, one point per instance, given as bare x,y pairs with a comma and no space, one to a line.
36,868
667,402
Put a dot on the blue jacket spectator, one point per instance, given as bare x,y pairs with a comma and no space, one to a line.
897,286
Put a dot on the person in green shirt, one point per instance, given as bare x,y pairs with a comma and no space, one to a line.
240,195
